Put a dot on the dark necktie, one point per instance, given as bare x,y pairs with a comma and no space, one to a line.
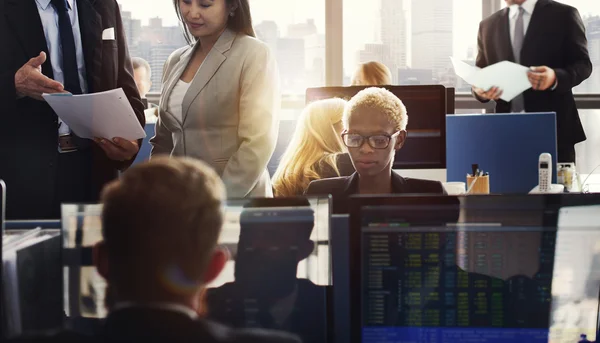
69,60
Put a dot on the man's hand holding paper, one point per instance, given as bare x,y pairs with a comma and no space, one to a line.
118,149
509,79
106,115
542,78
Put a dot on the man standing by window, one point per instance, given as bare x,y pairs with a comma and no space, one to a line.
549,37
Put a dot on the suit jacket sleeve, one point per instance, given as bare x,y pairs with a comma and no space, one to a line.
258,126
125,80
8,93
578,66
481,60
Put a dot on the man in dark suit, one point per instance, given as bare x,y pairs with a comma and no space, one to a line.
375,123
161,222
53,46
549,37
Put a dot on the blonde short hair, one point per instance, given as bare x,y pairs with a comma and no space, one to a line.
382,101
161,221
315,142
372,74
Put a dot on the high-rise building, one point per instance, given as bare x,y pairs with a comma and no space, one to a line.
132,28
268,32
592,31
314,52
374,52
393,35
432,35
291,61
302,30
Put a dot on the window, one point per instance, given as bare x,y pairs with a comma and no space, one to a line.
413,38
293,29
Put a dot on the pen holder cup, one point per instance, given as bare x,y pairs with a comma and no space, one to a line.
478,185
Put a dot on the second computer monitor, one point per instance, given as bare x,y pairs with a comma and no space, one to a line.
425,147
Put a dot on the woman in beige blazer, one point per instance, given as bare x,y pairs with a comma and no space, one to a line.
220,96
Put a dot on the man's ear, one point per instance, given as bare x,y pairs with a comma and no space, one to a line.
100,258
400,139
216,264
305,250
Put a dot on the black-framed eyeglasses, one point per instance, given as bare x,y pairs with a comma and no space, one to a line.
354,140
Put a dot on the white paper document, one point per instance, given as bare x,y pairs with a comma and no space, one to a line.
508,76
103,115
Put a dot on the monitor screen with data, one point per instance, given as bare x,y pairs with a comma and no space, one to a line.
443,272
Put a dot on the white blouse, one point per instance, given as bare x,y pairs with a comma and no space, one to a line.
175,103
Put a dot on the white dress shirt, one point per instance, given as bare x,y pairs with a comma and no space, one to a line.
528,7
49,19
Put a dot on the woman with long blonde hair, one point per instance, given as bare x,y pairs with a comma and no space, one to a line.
316,150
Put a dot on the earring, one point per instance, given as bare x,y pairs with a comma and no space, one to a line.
231,14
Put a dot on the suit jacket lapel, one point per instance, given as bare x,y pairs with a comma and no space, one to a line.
173,74
535,25
207,70
351,186
504,37
90,26
24,19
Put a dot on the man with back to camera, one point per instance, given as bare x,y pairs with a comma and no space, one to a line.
161,222
549,37
55,46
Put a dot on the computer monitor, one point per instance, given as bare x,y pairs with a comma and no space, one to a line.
425,147
507,146
280,260
576,284
451,269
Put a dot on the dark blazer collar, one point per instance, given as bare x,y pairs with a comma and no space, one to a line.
90,27
351,184
23,18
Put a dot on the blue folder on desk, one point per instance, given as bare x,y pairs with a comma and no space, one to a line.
507,146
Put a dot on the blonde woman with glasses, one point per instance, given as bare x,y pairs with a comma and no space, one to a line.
316,150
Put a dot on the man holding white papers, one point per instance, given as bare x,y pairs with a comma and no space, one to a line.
75,46
549,38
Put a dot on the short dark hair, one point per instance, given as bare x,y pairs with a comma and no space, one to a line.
139,62
241,22
161,221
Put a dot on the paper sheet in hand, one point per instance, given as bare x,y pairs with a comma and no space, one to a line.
104,115
510,77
